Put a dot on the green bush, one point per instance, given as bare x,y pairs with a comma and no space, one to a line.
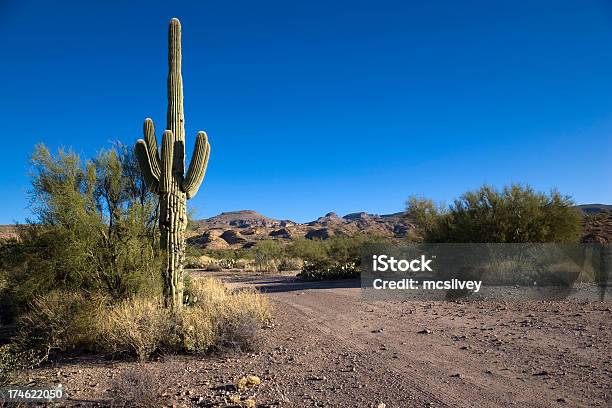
93,241
84,275
266,253
234,254
308,249
320,270
333,258
516,214
95,229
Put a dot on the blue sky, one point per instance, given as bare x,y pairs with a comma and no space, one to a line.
322,106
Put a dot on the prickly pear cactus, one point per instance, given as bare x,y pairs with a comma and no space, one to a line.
164,172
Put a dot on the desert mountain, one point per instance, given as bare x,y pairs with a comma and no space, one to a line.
594,208
242,229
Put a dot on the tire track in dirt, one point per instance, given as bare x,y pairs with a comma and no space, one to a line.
334,314
474,354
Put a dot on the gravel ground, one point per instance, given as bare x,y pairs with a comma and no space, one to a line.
328,346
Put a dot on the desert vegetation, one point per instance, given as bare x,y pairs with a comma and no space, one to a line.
515,214
333,258
84,276
100,268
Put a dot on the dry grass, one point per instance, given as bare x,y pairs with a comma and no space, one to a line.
211,294
136,387
197,329
227,319
217,318
61,321
138,326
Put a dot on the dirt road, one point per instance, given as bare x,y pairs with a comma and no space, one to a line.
330,347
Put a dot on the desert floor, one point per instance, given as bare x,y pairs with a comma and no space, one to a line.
329,347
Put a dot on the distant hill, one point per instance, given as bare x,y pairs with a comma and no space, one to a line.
242,229
594,208
8,231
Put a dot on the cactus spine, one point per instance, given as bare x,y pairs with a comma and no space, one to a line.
164,172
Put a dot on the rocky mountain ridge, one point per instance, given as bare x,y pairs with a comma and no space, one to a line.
242,229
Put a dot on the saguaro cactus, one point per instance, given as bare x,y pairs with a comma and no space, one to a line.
165,173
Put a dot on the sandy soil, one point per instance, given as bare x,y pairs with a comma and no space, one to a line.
329,347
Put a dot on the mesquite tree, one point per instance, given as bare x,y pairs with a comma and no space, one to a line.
164,172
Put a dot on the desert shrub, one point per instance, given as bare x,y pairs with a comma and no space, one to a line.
215,318
238,333
94,231
137,387
222,318
516,214
266,252
249,302
197,331
203,263
7,312
334,258
9,363
234,253
138,326
327,269
211,294
59,321
307,249
290,264
206,292
242,263
13,360
193,263
56,322
93,242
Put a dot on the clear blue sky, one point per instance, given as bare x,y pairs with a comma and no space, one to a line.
320,106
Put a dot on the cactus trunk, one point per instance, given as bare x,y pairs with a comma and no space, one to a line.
172,223
164,173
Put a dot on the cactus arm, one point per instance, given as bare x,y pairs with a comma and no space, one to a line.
167,155
197,167
149,137
140,149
